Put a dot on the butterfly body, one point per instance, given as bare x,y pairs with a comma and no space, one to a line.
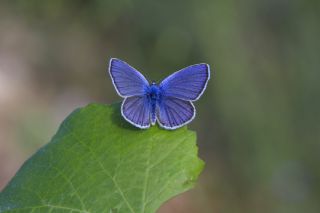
169,103
153,95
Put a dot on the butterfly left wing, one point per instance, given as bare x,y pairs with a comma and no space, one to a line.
173,113
136,110
126,79
188,83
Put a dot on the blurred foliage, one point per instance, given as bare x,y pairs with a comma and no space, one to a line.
258,122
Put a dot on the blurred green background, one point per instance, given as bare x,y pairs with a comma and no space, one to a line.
258,122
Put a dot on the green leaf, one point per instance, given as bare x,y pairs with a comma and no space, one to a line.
97,162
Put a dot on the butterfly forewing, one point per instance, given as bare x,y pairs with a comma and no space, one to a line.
188,83
173,113
126,79
136,110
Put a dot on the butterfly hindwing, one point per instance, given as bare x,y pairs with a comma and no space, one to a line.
173,113
136,111
187,83
126,79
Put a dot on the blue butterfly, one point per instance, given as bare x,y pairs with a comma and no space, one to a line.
169,103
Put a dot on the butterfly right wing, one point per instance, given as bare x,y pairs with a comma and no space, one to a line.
175,108
126,79
136,110
173,113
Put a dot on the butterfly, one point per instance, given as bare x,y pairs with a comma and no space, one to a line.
169,103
